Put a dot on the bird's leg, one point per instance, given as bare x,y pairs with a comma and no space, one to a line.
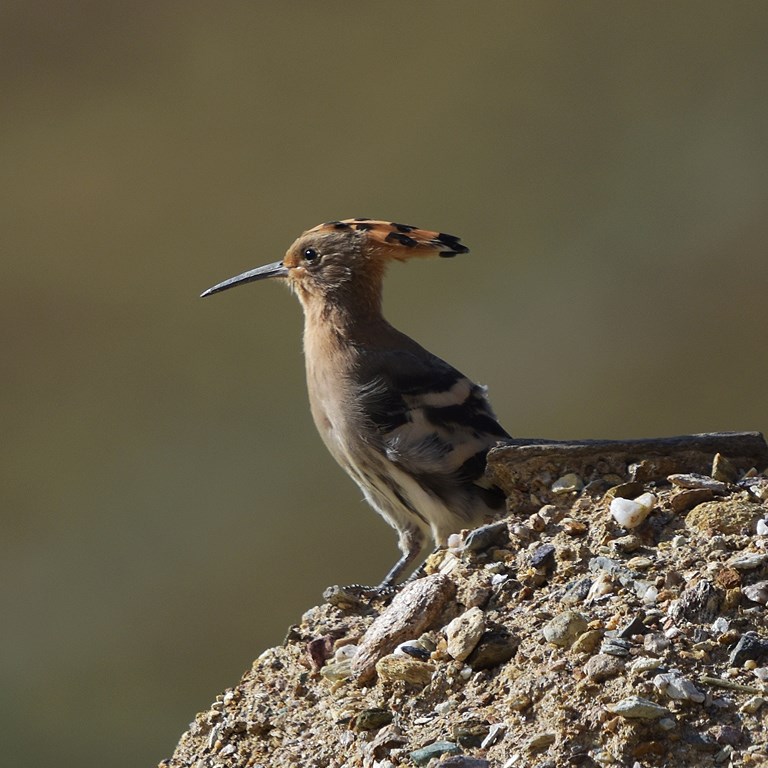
420,571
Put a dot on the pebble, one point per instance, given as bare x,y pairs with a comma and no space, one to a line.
576,591
757,593
588,641
762,527
573,527
689,498
567,484
693,480
699,603
644,664
636,707
675,686
615,646
495,534
543,556
723,469
463,761
414,648
602,667
540,741
629,513
337,670
750,646
565,628
751,705
496,646
727,516
635,627
391,668
371,719
628,543
495,733
464,633
748,562
600,587
425,754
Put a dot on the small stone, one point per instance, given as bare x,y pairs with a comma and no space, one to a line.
425,754
757,593
727,734
727,516
543,557
588,641
656,643
414,648
601,586
576,591
628,543
567,484
644,664
371,719
762,527
519,702
635,627
496,646
573,527
727,578
469,733
676,686
487,536
692,480
464,633
337,670
748,562
391,668
723,469
603,667
699,603
750,646
495,733
639,563
463,761
630,513
751,705
615,646
565,628
636,707
688,499
540,741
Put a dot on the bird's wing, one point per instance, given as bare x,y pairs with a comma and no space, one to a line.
431,420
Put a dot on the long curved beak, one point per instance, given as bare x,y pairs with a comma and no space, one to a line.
278,269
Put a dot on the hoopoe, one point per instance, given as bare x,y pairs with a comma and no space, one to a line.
407,427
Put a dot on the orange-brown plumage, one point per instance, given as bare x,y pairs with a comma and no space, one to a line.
409,429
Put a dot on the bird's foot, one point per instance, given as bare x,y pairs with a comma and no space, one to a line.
358,595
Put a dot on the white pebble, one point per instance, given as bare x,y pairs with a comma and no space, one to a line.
762,528
629,513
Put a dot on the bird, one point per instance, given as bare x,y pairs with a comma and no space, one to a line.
409,428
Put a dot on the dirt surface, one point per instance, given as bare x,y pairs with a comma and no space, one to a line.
557,637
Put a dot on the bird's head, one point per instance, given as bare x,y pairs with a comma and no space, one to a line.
346,260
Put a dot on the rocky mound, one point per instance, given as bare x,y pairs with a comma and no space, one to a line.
617,617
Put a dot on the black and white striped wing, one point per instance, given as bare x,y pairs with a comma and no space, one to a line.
432,422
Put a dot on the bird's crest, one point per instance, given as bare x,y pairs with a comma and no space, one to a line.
398,241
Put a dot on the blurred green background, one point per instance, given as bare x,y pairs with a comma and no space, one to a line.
168,509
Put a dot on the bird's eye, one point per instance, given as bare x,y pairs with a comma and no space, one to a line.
310,255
